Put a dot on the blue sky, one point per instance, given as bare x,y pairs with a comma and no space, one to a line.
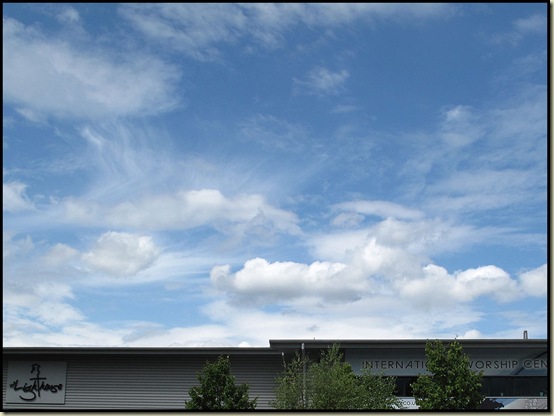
224,174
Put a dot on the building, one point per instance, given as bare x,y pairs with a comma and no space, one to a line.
515,372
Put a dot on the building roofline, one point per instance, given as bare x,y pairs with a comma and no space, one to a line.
275,347
139,350
402,343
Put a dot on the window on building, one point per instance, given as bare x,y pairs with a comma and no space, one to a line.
519,386
403,386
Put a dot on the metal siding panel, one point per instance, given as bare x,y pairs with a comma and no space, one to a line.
260,373
151,382
4,380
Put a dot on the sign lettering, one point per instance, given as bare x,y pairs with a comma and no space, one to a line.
32,382
489,366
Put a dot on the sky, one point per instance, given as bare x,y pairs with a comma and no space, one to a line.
181,175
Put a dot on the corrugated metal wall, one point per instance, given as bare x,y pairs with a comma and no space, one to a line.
150,381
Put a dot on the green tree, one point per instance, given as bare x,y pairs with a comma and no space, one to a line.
377,392
217,390
452,384
290,390
331,384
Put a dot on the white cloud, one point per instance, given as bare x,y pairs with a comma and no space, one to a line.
60,254
440,309
472,334
511,170
182,210
198,336
272,132
86,82
321,81
535,282
438,288
12,247
77,334
45,304
191,28
535,24
347,220
410,239
486,280
261,281
483,189
199,29
122,254
69,14
461,126
384,209
324,320
14,198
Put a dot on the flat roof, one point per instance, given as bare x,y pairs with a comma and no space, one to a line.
275,347
404,343
140,350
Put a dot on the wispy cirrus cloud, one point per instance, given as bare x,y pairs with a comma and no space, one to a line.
201,30
273,133
534,24
321,81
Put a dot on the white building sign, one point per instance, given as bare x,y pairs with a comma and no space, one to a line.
36,382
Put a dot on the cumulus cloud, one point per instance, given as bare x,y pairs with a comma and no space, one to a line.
122,254
394,257
389,258
535,282
45,77
260,281
486,280
14,198
438,288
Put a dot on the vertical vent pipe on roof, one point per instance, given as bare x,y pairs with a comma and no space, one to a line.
525,336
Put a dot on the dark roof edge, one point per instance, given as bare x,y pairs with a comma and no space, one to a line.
275,346
139,350
366,343
405,340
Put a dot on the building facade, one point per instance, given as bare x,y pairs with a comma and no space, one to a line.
515,372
